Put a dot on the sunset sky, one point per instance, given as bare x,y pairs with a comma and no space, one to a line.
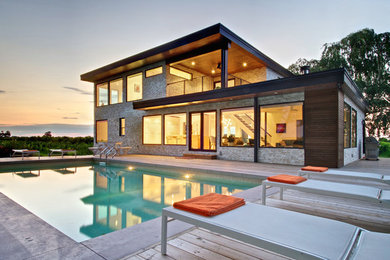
46,45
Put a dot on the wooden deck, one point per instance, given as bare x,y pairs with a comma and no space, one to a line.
199,243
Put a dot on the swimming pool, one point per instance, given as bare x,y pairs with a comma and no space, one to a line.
87,200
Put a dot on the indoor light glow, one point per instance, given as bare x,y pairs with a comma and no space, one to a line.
193,63
213,71
244,64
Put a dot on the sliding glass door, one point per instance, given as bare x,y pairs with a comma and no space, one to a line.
203,131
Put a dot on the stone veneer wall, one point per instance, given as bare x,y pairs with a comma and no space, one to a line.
273,75
355,153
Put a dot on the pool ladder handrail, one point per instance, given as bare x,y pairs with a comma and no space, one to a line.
112,151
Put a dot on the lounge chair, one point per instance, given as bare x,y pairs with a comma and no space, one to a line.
24,152
292,234
352,191
63,151
347,175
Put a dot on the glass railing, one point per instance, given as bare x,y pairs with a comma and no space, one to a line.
200,84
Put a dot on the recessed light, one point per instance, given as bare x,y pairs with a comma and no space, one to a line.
244,64
193,63
213,71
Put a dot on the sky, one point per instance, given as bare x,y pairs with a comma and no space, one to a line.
46,45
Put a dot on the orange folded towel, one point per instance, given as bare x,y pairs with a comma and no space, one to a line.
285,178
314,169
211,204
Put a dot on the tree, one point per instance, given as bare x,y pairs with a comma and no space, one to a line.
366,56
48,134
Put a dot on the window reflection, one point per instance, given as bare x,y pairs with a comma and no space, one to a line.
102,94
152,188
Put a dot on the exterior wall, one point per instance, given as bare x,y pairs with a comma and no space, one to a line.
272,75
355,153
252,76
292,156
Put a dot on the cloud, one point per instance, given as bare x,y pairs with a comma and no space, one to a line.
2,91
67,117
79,90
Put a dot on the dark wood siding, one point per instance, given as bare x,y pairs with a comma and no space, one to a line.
322,126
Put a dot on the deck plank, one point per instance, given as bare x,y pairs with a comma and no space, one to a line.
196,250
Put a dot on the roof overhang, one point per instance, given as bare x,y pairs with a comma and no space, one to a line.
339,77
212,37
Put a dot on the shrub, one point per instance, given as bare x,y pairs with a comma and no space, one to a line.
384,149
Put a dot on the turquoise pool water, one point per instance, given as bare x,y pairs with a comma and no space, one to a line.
88,200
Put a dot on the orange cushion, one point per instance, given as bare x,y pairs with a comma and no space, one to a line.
211,204
314,169
285,178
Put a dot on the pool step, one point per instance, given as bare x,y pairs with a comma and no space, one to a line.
199,156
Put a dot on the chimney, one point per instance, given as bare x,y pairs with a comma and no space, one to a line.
305,69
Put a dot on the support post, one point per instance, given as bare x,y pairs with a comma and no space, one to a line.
224,66
263,191
256,129
164,223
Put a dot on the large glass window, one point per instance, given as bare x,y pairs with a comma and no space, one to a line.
116,91
101,131
347,125
175,129
281,125
134,87
152,129
102,94
237,127
203,131
354,128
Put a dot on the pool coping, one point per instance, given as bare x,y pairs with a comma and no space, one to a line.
114,245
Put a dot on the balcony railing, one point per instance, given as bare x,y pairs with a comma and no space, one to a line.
200,84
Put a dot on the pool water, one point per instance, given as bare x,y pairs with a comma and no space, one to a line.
90,200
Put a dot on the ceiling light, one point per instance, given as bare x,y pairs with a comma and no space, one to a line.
193,63
213,71
244,64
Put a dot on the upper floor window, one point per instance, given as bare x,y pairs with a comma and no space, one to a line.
153,72
102,94
116,91
101,131
180,73
134,87
281,125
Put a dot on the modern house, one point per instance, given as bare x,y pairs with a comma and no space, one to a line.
212,93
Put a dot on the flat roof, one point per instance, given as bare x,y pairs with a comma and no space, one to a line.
215,35
340,77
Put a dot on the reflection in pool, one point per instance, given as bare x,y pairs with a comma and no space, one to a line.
89,201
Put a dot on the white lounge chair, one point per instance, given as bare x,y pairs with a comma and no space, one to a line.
351,175
292,234
352,191
63,151
24,152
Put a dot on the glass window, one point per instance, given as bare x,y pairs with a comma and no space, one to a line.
354,128
152,129
122,129
209,130
281,125
101,131
195,130
237,127
180,73
134,87
347,125
102,94
153,72
175,129
116,91
218,85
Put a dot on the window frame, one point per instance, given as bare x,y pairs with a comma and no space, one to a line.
163,128
96,130
171,67
127,85
143,129
146,71
303,122
97,93
109,90
353,135
350,126
122,126
221,129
